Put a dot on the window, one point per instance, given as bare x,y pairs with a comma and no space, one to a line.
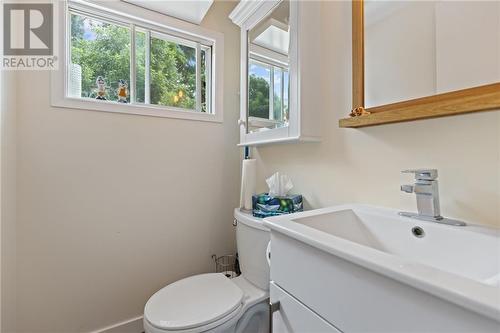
100,51
268,89
120,63
173,72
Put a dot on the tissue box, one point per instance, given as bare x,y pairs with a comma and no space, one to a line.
265,205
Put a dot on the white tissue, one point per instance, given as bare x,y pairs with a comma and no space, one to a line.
248,181
279,185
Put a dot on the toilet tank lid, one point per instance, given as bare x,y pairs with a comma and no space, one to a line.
193,302
250,220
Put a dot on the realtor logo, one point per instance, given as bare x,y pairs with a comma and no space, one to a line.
28,29
28,35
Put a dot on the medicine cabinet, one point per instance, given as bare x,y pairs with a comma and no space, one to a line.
280,91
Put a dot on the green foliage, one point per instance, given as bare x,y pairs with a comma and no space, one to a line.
140,70
173,74
107,53
77,30
258,97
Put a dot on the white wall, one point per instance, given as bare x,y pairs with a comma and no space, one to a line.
112,207
363,165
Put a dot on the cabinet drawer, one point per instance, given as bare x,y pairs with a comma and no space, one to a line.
293,316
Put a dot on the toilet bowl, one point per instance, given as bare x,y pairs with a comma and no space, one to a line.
212,302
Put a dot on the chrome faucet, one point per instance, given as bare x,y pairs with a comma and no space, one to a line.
427,191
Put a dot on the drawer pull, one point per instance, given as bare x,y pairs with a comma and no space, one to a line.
268,254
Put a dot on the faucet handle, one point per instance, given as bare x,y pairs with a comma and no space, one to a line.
423,174
407,188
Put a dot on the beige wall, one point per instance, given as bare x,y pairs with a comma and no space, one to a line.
8,202
419,48
400,46
112,207
477,26
363,165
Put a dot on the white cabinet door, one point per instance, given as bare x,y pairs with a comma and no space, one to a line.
293,316
305,106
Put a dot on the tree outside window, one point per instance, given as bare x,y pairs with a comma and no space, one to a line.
103,49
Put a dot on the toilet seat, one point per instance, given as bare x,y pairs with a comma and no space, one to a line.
194,302
212,303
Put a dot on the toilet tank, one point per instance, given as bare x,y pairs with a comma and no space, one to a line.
252,238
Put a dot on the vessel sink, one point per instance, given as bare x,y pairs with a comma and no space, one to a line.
457,264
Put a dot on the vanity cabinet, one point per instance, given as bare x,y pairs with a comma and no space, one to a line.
318,289
293,316
280,88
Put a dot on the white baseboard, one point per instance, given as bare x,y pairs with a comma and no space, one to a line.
133,325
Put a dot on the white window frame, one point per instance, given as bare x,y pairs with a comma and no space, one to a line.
143,18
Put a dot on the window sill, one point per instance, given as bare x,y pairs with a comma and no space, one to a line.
136,109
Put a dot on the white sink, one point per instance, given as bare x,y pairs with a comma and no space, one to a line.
460,250
458,264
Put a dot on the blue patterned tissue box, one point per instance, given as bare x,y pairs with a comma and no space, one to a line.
265,205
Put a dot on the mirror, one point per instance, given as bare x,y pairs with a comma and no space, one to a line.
415,49
423,59
268,71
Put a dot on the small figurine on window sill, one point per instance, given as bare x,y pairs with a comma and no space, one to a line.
101,88
122,91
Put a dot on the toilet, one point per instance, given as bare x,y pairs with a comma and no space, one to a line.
214,303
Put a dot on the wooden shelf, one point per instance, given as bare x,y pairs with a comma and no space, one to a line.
475,99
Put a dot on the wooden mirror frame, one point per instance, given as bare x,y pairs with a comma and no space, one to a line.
480,98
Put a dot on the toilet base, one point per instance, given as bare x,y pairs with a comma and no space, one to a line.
255,319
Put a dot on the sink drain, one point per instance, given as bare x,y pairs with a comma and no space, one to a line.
418,232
